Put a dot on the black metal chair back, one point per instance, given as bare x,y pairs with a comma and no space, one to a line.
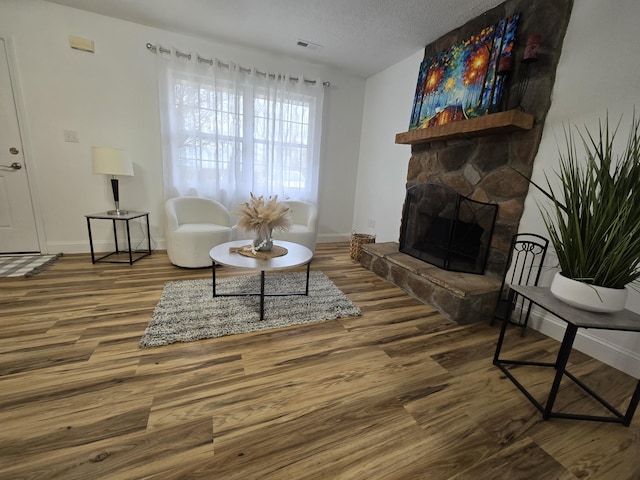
524,267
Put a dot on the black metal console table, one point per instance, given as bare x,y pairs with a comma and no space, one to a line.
575,319
126,218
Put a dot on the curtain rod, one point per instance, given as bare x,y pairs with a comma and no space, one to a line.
155,49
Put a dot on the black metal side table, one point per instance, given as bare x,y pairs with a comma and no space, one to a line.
126,218
575,318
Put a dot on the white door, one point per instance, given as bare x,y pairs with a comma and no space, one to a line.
18,232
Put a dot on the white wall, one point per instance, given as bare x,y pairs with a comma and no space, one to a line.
110,99
597,72
382,169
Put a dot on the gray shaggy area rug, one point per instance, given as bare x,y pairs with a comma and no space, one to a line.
187,311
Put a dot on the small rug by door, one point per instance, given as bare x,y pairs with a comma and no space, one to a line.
187,310
24,265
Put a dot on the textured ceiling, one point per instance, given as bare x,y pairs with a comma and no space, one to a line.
361,36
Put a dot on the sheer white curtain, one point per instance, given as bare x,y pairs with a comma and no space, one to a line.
228,131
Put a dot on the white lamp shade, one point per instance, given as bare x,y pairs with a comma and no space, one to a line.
111,161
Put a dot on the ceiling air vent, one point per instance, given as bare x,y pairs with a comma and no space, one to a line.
308,45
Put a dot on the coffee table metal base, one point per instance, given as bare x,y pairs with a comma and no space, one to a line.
262,294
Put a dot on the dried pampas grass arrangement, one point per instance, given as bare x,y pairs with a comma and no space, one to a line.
263,216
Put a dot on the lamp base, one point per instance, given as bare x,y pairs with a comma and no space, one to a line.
118,212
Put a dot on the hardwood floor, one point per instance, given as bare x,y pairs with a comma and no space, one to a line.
398,393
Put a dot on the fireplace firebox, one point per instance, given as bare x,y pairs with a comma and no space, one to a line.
446,229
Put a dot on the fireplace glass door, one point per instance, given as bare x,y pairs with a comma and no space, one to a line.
446,229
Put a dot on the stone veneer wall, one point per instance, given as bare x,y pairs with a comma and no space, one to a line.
482,167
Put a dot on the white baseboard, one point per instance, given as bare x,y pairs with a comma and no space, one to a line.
589,343
102,246
156,244
334,237
67,247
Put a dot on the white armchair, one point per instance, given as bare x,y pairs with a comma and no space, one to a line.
303,230
193,226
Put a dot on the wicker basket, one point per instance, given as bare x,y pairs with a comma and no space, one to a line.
357,240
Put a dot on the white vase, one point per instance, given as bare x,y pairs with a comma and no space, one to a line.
588,297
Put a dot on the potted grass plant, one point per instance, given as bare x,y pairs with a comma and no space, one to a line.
594,219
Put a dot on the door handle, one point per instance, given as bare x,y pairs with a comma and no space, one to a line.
14,165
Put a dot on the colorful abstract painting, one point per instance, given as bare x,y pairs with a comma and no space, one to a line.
462,82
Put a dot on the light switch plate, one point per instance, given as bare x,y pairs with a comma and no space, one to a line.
83,44
71,136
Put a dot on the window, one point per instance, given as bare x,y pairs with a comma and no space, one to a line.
227,132
212,120
290,139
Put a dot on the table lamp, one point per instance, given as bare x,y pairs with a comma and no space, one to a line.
111,161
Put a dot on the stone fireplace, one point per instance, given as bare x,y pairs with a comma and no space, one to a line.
483,159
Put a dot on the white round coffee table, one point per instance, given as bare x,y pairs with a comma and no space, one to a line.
296,256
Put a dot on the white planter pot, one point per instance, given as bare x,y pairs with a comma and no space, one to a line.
588,297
